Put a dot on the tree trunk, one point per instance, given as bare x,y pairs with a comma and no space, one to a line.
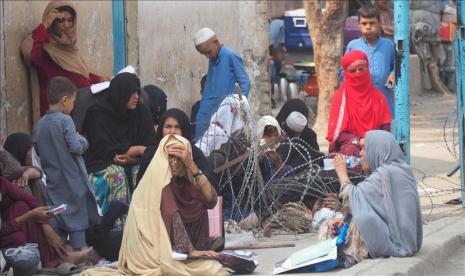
327,33
262,82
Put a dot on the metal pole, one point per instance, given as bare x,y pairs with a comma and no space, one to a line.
401,122
119,36
459,47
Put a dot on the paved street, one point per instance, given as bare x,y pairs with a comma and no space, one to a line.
453,266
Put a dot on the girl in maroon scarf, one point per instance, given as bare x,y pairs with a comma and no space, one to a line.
357,107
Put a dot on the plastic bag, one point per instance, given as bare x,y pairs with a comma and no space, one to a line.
323,215
25,260
2,262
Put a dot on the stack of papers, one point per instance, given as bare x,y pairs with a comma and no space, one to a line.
321,252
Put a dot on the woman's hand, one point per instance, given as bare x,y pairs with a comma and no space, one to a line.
332,202
23,180
119,159
195,253
332,227
40,213
124,159
29,173
54,241
340,168
51,16
182,153
340,164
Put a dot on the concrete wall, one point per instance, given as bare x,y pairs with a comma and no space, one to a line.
19,19
2,75
278,7
167,54
132,35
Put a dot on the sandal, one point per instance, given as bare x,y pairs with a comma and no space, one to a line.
94,258
62,269
455,201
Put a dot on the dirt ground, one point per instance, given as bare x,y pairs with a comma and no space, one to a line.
434,153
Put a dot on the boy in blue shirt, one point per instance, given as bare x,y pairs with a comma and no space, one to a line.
379,50
225,69
60,149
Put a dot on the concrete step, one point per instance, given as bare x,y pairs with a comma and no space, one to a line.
441,238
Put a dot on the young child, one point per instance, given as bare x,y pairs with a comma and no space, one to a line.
196,105
60,149
295,124
379,50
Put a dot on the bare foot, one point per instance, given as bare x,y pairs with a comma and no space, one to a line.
267,230
78,257
94,257
250,222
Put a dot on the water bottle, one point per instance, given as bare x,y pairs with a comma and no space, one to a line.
351,162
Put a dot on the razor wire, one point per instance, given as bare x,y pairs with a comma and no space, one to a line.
309,179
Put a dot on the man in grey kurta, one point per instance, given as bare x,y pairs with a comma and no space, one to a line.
60,149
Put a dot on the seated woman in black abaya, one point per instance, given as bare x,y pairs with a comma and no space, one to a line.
119,129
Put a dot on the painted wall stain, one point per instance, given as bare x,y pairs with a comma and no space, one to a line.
171,61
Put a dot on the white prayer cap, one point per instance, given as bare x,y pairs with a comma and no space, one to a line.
296,121
203,35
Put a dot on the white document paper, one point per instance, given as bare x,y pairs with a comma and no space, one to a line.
323,251
98,87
